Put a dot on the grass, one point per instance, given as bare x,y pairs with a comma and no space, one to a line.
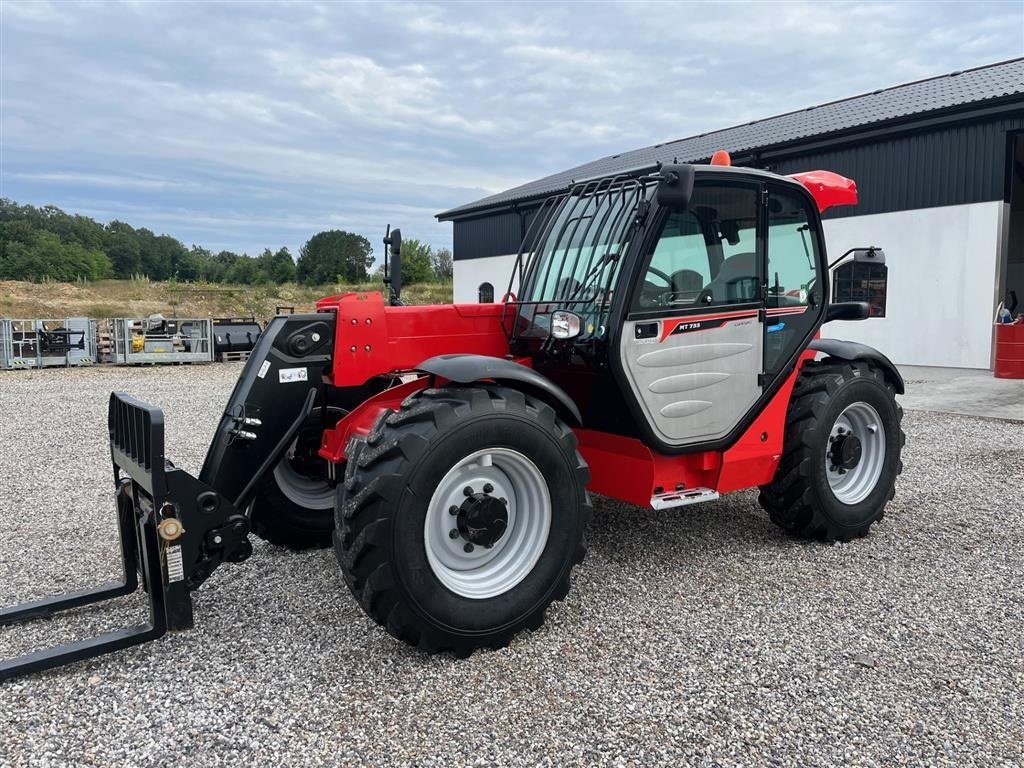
140,297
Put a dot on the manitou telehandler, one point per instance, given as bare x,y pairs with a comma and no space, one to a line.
659,344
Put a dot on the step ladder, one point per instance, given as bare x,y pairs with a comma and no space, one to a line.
671,499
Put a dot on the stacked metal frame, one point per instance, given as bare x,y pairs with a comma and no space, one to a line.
47,342
158,340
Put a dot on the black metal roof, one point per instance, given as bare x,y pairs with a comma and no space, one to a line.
911,101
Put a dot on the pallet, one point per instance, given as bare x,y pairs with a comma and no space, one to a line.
104,342
235,357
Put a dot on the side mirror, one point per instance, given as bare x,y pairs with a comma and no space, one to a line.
847,310
675,187
393,276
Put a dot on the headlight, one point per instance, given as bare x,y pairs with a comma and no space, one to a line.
565,325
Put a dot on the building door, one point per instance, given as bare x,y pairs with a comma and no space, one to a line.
1013,278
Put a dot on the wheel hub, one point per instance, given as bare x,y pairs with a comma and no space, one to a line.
846,451
854,455
482,519
487,523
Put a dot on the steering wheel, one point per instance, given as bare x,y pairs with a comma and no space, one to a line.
662,275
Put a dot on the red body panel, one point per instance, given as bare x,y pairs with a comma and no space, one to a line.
828,189
359,421
372,338
624,468
752,459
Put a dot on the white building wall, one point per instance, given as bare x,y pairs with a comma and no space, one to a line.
470,273
942,277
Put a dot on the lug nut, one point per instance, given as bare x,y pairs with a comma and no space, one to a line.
467,491
453,510
453,533
468,548
488,487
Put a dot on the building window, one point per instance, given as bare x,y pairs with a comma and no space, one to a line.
486,293
861,281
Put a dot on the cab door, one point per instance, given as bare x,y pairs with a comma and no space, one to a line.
692,345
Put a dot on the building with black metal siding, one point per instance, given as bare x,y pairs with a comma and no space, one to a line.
939,166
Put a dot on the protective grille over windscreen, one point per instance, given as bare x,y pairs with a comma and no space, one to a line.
572,254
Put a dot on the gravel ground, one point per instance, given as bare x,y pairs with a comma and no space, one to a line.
702,636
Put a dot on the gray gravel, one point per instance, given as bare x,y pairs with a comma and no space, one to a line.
701,636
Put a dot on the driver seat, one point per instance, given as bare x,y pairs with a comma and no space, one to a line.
736,280
687,282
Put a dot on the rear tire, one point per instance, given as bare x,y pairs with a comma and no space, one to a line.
841,454
394,516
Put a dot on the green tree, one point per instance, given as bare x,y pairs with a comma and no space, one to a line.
441,262
277,267
40,243
245,271
32,254
332,256
196,264
123,249
416,262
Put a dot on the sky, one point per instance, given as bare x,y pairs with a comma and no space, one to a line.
242,126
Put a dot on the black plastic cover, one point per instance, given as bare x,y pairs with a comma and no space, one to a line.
466,369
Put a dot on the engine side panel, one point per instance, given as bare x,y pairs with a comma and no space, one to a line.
372,338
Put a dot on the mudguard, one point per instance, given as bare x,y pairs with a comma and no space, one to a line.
466,369
852,350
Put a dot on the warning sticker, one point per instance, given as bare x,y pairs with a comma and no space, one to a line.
286,375
175,569
264,368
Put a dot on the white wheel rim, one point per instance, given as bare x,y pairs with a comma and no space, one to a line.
302,490
299,489
853,485
489,571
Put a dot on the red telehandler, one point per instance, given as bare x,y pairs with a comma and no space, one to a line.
662,347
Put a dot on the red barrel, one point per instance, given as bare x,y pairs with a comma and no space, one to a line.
1009,351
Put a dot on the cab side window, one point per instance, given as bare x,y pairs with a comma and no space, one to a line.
679,268
792,251
705,256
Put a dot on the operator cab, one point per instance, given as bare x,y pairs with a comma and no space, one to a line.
686,295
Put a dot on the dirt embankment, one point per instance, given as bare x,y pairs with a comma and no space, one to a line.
131,298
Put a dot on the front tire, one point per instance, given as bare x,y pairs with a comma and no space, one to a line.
293,505
841,453
462,516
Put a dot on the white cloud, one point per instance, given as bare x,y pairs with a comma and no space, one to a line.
108,180
222,121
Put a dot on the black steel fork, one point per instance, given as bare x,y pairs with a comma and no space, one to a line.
125,637
137,453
